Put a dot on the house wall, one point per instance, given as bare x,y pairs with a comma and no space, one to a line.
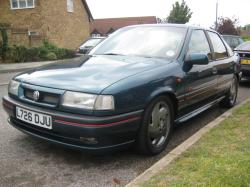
50,20
65,29
21,21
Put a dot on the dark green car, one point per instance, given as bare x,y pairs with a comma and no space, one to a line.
130,90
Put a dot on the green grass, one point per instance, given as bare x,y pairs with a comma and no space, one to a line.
220,158
246,38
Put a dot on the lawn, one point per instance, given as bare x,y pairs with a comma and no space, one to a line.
220,158
246,38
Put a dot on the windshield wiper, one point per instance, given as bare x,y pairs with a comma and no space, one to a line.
114,54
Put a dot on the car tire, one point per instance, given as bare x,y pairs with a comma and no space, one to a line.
156,127
231,96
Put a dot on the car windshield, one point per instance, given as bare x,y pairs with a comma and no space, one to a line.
244,47
91,42
233,41
154,41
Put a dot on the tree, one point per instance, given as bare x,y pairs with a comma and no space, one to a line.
180,13
246,27
228,26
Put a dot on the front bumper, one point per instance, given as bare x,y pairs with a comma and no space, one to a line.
75,131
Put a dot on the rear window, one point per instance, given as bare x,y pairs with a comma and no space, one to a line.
220,50
91,42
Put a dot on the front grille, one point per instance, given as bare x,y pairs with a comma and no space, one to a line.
244,55
44,97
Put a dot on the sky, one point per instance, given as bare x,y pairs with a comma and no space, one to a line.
203,10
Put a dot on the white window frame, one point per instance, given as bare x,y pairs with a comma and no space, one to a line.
95,35
18,3
70,6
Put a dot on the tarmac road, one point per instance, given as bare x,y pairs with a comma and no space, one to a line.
25,161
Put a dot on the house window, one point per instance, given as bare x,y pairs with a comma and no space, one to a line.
70,6
96,35
20,4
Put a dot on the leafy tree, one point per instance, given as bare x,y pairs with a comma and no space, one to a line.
180,13
228,26
246,27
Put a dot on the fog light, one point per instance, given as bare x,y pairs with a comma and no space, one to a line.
90,140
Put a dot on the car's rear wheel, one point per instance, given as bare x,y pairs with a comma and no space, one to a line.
156,127
231,95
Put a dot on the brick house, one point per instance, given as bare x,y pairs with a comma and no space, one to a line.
63,22
103,27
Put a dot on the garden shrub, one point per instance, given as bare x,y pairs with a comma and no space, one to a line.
51,56
47,51
33,54
17,54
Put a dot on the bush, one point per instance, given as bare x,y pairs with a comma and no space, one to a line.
51,56
60,53
33,54
245,37
49,46
17,54
47,51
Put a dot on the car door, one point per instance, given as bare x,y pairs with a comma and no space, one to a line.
200,80
223,62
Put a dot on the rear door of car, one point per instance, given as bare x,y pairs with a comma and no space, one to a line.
223,62
201,80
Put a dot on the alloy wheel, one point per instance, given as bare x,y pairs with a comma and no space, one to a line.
159,124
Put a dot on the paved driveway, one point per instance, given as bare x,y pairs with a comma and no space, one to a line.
25,161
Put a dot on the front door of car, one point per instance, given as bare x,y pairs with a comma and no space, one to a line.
200,80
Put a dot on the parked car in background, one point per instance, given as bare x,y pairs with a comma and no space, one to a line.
130,89
233,41
243,52
89,44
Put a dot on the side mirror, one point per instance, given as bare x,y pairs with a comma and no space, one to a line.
197,58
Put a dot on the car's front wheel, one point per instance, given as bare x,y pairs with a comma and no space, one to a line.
156,127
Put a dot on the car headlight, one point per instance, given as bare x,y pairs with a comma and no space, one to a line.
13,87
87,101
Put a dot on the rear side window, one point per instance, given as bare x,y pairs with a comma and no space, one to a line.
219,48
199,43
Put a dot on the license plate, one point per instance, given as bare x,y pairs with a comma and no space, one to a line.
243,61
34,118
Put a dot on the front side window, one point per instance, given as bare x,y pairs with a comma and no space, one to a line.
199,43
158,42
20,4
219,47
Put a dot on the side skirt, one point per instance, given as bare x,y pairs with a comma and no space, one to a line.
198,111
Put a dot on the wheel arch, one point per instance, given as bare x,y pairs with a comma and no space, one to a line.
166,92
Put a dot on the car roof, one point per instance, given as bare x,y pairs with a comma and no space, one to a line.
171,25
230,35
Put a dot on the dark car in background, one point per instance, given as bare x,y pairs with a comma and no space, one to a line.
90,43
243,52
233,41
130,90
